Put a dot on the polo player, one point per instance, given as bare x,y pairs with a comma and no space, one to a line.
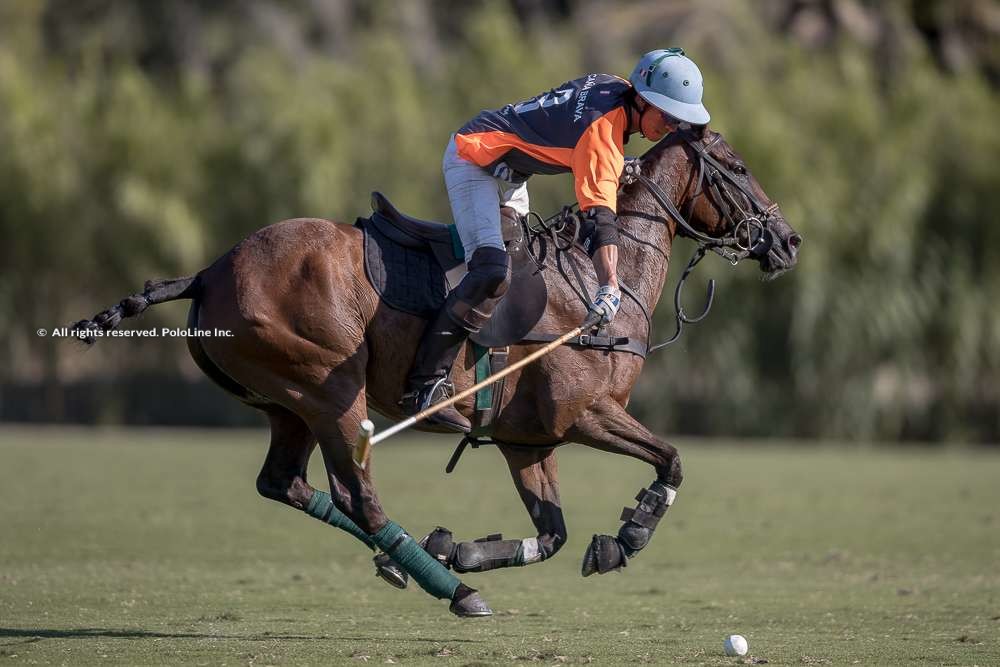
579,127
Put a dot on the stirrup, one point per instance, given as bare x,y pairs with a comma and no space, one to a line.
435,391
425,397
418,400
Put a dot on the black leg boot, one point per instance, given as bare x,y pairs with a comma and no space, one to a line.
465,311
428,380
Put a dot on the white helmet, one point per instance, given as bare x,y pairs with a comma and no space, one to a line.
672,83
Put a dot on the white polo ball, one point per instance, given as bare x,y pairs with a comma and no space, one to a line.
736,645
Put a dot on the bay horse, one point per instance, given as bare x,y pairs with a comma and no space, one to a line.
314,348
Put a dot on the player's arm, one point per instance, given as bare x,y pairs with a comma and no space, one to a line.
598,160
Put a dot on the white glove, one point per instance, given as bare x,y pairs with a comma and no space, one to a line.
606,304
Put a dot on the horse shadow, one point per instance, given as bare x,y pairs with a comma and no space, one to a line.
33,635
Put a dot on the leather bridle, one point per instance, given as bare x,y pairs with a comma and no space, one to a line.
748,235
749,232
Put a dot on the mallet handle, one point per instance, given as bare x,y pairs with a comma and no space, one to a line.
366,441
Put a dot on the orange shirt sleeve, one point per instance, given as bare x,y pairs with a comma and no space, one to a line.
598,160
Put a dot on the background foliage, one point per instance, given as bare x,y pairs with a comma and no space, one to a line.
142,140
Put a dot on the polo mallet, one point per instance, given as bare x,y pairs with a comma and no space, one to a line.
366,434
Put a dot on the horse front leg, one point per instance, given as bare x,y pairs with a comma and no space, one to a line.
610,428
536,477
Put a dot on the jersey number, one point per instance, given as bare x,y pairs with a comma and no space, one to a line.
546,100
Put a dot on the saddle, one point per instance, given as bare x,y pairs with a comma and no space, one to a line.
413,264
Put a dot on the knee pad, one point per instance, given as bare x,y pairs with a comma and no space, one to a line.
472,303
489,271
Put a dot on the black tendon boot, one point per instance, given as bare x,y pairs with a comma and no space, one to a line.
428,381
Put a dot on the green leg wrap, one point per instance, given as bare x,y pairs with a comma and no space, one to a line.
431,575
321,506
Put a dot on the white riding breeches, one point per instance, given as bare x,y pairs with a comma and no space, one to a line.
476,197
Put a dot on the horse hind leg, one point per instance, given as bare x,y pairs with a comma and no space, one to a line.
355,496
351,501
283,475
610,428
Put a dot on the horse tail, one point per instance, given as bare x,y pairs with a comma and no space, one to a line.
154,292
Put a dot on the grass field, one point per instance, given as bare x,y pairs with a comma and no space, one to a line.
151,547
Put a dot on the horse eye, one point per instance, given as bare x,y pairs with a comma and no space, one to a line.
740,169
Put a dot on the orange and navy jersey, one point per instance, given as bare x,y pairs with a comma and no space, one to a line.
579,127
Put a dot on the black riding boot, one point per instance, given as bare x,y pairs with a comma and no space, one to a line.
465,311
428,381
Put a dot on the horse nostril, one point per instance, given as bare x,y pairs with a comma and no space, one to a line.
794,241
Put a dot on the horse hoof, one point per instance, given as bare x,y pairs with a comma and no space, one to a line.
387,569
604,554
470,605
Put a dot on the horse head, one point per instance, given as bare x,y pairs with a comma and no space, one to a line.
720,205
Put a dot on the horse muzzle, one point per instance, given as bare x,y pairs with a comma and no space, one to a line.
778,249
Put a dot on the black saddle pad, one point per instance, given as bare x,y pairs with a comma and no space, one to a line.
412,280
407,279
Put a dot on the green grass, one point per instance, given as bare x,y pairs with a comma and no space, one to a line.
150,547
